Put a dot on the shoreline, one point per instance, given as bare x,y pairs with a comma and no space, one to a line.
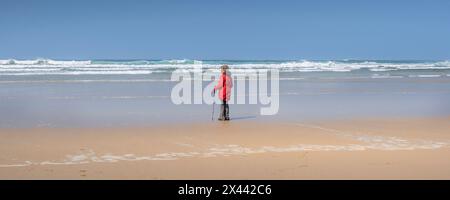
398,148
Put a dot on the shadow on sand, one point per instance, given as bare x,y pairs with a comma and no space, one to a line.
243,118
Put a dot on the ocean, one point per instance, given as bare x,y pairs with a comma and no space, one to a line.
74,93
338,68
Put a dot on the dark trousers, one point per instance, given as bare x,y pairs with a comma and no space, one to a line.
224,111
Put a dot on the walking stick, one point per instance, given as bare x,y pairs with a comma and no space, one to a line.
212,116
214,102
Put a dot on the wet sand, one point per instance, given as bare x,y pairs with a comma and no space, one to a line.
400,148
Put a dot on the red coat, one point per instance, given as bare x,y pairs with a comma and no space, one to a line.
224,86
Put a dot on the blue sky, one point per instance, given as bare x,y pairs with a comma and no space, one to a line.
107,29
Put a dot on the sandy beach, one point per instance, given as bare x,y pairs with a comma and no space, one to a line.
397,148
104,119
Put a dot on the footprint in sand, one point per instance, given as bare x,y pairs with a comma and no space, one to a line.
49,170
83,172
303,160
380,163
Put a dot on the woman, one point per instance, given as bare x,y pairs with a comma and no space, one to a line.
224,86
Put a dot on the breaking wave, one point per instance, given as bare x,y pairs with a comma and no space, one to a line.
80,67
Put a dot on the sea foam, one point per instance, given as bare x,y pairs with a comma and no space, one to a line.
79,67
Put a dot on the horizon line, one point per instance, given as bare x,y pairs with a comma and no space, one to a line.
224,59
